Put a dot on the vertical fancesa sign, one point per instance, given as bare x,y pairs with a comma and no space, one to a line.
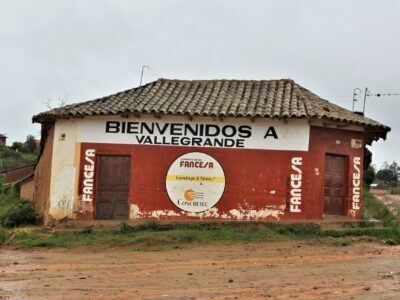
88,176
195,182
87,183
356,183
295,184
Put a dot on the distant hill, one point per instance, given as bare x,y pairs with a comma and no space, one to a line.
19,154
10,159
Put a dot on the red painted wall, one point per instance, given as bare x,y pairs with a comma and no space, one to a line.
256,180
336,141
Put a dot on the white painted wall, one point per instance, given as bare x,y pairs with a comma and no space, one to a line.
292,135
64,169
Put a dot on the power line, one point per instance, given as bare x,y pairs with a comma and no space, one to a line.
367,93
380,95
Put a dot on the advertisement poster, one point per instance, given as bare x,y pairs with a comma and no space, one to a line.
195,182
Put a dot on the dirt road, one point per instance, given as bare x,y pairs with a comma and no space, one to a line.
276,270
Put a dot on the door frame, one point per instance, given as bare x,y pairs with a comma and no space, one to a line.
345,184
97,170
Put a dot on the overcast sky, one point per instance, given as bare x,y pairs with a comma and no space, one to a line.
80,50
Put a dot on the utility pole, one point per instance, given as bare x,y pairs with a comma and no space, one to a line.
367,93
141,74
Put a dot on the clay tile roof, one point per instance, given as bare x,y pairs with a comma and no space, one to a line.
222,98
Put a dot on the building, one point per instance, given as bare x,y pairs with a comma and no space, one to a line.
203,149
3,140
16,174
26,187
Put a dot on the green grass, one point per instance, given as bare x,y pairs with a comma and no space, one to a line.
372,208
147,238
153,240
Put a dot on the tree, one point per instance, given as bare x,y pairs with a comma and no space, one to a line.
17,146
369,175
30,144
394,167
388,173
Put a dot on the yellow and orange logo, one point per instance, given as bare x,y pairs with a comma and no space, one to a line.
189,195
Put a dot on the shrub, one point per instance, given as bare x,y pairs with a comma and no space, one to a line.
19,213
124,228
342,243
369,175
395,190
87,230
149,225
7,189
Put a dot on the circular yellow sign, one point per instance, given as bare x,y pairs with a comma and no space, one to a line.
195,182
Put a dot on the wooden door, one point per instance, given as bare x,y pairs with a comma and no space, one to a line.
112,194
334,186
